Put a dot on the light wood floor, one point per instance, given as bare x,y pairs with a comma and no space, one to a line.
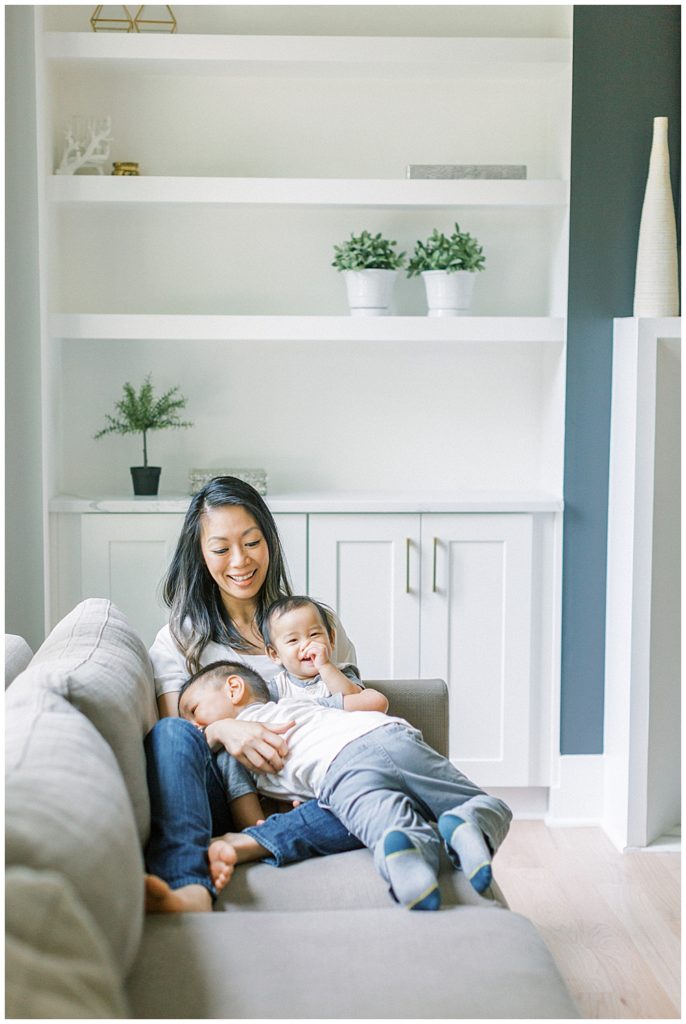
611,920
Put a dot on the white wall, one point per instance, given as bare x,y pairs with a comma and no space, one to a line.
23,516
361,19
354,417
664,744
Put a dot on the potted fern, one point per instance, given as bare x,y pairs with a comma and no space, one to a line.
370,266
448,265
139,412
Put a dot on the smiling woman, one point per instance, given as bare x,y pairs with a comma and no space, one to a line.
227,569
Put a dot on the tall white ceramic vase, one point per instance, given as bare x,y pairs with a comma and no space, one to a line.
656,292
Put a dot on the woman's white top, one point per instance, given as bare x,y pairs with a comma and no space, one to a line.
171,672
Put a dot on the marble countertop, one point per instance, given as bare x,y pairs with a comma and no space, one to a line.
331,502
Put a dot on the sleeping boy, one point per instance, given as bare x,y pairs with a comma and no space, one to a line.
373,771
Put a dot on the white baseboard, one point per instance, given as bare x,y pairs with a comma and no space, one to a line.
578,796
527,803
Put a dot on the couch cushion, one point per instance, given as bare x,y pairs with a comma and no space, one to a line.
349,964
95,659
57,963
17,656
67,810
344,881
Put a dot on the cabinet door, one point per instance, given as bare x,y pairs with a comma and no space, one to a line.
366,567
292,527
124,558
476,634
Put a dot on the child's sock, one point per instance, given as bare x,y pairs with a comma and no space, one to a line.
469,843
412,880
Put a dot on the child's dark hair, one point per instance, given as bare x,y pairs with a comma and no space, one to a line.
290,604
218,671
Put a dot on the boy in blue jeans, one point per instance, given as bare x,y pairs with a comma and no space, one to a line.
373,771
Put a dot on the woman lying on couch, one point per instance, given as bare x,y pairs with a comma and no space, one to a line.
227,569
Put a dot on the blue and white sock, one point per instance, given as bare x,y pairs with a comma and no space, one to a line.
469,843
412,881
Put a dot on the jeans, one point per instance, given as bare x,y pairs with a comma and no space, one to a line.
389,778
189,804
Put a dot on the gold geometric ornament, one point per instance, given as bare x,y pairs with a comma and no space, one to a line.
111,18
157,18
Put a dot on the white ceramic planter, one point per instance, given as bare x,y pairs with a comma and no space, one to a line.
448,294
370,291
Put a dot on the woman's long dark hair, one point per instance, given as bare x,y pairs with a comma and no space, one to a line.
197,614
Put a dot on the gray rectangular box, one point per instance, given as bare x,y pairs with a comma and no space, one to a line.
454,171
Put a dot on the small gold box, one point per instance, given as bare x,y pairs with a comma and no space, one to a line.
124,167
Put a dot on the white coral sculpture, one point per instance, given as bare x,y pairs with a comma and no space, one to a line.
93,152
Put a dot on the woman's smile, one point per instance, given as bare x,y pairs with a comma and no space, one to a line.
245,578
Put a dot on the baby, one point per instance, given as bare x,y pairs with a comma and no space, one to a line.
373,771
299,635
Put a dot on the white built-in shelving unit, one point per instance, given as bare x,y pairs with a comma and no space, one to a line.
442,438
258,153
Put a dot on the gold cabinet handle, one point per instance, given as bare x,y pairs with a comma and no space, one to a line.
434,588
407,564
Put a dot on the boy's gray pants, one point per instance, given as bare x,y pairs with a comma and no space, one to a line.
390,778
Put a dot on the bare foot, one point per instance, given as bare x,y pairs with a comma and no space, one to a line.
244,846
160,898
222,858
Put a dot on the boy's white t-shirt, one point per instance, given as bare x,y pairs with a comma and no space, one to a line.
319,735
171,672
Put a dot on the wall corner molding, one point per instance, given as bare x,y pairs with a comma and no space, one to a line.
578,797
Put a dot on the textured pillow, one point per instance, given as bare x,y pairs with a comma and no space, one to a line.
95,659
67,810
57,964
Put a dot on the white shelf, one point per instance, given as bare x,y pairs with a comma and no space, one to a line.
421,329
334,192
475,502
321,56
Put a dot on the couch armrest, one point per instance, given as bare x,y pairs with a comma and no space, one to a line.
423,702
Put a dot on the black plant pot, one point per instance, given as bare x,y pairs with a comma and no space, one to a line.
146,479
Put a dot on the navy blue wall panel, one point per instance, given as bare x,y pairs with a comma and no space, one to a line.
626,72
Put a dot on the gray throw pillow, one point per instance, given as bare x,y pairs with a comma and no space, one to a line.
67,810
57,964
96,661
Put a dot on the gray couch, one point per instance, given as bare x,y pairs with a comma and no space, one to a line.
321,939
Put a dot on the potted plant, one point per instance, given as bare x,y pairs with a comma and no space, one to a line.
138,413
448,265
370,265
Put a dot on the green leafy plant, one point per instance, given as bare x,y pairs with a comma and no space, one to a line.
140,412
367,252
459,251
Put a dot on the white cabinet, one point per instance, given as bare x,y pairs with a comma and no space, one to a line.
366,567
442,596
293,533
476,633
125,558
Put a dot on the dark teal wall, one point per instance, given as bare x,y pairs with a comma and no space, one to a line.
626,72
